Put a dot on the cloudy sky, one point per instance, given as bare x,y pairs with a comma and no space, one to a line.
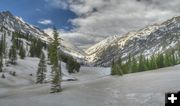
86,22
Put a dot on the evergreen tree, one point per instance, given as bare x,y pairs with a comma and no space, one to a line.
174,61
160,60
129,63
134,65
147,66
22,52
1,63
32,50
141,63
77,66
56,66
56,82
1,56
153,64
71,64
36,48
40,75
116,67
3,76
3,41
113,71
167,59
13,54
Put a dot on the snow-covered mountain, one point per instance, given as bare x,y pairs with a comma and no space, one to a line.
149,40
152,39
10,23
14,23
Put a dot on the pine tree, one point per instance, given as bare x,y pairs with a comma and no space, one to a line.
1,56
4,46
32,50
13,54
3,76
141,63
1,63
71,64
167,59
129,64
134,65
56,82
22,52
120,64
3,43
160,60
174,61
40,76
77,66
56,66
153,64
113,71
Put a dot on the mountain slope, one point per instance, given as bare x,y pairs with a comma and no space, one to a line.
156,38
96,88
10,23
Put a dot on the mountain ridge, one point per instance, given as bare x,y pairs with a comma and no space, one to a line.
11,23
150,40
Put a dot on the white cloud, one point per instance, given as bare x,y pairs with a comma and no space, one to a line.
77,38
99,19
49,31
45,22
58,3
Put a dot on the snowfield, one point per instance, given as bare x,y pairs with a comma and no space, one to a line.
94,87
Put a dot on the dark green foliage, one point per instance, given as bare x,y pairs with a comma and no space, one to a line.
117,68
56,66
141,65
152,62
77,67
2,51
22,53
113,70
40,75
56,82
1,64
13,53
1,57
168,58
129,62
36,48
53,49
13,73
134,65
72,65
160,60
36,45
3,44
32,50
3,76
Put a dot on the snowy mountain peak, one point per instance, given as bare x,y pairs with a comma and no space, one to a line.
12,23
149,40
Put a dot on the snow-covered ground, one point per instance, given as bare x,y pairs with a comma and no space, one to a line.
95,87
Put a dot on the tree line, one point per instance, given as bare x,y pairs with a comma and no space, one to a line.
35,48
141,63
71,64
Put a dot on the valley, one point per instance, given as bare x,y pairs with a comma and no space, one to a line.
95,86
86,76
